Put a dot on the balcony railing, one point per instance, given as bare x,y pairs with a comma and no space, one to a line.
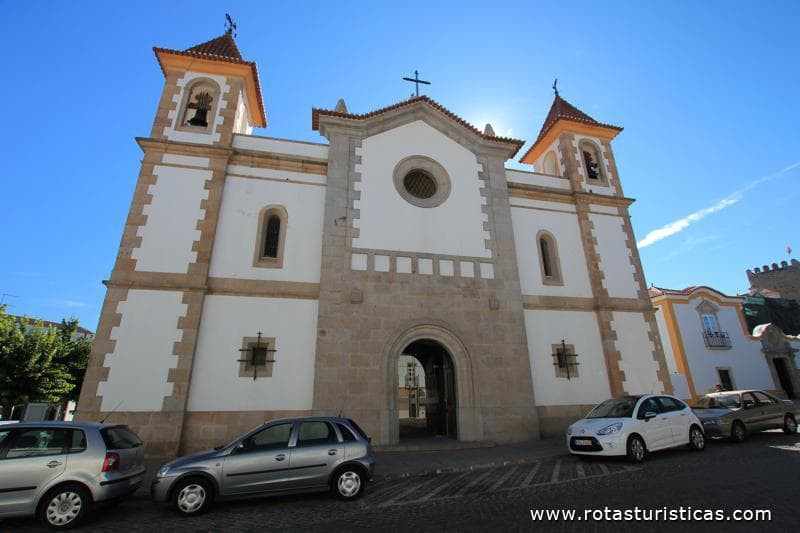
717,339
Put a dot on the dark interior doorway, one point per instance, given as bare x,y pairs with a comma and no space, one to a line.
426,393
784,377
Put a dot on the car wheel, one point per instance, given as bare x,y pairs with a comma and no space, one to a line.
65,506
738,432
348,483
789,424
696,439
636,449
192,496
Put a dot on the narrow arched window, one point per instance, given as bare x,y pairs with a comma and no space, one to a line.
544,247
592,162
271,236
548,259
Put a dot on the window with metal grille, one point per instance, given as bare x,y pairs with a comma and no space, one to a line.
273,236
420,184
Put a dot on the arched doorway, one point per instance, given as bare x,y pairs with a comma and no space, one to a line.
427,401
468,424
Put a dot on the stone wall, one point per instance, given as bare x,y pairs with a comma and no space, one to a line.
784,279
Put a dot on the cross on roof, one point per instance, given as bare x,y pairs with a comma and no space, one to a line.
417,81
230,25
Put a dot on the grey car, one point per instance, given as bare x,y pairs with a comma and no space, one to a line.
278,457
58,470
734,414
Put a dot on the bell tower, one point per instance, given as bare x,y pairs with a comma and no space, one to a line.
143,352
573,145
210,93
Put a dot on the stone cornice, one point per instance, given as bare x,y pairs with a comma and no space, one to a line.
537,192
183,148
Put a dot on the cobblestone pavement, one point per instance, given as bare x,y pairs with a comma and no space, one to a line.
762,473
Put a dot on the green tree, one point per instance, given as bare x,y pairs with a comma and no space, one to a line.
74,355
31,363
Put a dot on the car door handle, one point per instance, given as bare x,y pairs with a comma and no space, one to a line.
331,452
683,414
280,457
53,464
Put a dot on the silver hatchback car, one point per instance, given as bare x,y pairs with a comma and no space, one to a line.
279,457
58,470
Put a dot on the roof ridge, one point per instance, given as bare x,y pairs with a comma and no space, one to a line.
222,46
405,103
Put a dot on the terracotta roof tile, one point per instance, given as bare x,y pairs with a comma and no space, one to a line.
316,113
222,46
661,291
561,109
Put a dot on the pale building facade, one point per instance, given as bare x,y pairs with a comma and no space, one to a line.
261,277
707,343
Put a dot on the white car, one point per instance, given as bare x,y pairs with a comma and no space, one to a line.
636,425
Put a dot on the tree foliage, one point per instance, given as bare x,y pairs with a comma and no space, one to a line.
39,363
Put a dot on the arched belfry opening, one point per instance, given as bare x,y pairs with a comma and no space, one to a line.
427,400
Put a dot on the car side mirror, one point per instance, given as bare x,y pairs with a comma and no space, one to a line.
649,414
239,448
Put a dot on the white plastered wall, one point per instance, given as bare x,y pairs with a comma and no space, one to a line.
545,328
748,365
216,385
237,229
636,348
389,222
614,256
142,357
174,134
172,217
528,217
241,122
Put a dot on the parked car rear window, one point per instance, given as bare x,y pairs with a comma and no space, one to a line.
358,428
120,438
763,398
78,441
315,433
616,408
347,435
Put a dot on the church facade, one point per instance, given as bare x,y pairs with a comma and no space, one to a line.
260,277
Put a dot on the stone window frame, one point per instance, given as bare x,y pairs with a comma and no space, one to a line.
181,121
707,308
259,259
430,167
555,277
557,169
245,368
601,167
561,372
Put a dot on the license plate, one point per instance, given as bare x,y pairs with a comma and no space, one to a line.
583,442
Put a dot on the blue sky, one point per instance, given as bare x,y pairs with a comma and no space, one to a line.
706,92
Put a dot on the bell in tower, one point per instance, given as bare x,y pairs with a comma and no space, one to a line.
201,105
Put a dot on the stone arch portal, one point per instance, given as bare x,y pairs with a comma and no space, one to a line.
463,422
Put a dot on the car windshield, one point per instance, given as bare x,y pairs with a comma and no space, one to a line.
726,401
616,408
